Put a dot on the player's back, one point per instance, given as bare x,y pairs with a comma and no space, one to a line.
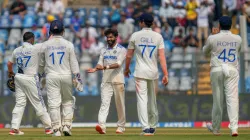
27,58
146,44
225,48
57,54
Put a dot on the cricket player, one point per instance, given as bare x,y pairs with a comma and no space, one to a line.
59,60
26,84
224,49
148,46
110,61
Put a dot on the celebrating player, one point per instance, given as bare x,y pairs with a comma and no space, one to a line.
60,62
111,60
147,45
26,84
224,48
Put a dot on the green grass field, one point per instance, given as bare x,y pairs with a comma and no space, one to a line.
130,134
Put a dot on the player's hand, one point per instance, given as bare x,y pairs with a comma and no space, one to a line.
215,30
10,74
127,73
77,82
91,70
165,80
99,67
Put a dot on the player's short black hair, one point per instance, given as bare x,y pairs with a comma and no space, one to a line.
111,31
225,22
27,36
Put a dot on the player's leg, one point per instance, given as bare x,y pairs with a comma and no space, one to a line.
217,80
232,100
106,94
54,102
18,110
152,105
120,106
32,91
68,104
142,103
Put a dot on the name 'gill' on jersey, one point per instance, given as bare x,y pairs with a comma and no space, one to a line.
146,44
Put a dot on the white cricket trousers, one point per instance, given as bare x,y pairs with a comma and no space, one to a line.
28,86
107,90
59,92
228,87
146,102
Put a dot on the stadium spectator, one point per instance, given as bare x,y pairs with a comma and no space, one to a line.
191,40
166,13
46,26
57,8
41,7
137,12
202,21
178,39
246,13
75,25
125,29
87,41
18,7
156,28
180,14
191,13
167,32
95,48
116,11
37,33
149,9
91,30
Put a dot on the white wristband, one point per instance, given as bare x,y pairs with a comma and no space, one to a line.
107,67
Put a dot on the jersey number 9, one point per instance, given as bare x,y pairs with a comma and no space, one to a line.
53,57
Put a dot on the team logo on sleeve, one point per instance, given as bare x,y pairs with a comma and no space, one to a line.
114,51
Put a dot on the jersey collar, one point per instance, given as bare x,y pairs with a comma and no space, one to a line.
225,31
26,44
146,28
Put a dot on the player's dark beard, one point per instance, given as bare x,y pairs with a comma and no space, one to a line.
111,43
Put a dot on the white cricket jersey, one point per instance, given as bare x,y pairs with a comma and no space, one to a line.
59,56
224,48
110,56
146,44
26,57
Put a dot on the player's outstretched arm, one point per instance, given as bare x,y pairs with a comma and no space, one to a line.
128,60
92,70
163,63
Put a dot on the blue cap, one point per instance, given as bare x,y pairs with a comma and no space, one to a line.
225,21
56,26
145,17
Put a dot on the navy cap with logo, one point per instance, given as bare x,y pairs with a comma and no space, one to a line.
225,21
145,17
56,26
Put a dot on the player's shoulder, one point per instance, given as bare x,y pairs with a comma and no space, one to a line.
237,37
120,47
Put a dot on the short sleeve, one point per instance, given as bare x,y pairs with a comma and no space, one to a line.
100,61
161,43
122,55
132,42
13,57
